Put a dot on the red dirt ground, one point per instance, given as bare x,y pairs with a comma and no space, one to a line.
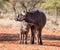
51,41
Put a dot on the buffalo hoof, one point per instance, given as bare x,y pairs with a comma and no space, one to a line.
32,42
25,42
40,43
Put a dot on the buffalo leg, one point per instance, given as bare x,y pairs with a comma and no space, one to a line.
39,38
32,35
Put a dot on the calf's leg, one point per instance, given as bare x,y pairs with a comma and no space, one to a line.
26,38
21,38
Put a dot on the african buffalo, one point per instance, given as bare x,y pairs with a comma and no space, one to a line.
37,21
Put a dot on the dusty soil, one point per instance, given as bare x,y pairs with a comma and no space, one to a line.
9,40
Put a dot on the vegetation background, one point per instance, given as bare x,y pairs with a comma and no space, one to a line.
11,8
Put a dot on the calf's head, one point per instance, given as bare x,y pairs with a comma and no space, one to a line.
21,16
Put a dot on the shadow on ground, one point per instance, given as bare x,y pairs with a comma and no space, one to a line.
15,37
9,37
50,37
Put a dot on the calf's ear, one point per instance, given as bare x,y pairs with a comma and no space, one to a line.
23,12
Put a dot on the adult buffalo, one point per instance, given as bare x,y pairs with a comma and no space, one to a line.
37,21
